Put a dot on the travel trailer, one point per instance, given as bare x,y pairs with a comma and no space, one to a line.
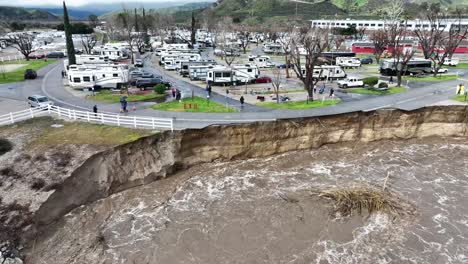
114,53
221,76
273,48
184,68
89,59
246,73
327,72
348,62
388,68
108,76
200,72
261,61
178,56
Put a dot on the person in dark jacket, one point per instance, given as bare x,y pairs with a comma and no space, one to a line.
242,101
95,110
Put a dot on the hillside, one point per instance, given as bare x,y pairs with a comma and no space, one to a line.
19,13
261,10
187,7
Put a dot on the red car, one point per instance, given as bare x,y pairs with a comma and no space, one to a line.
263,80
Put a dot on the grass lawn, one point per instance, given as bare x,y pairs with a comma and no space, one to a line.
18,74
108,97
431,78
299,104
392,90
460,98
463,65
203,106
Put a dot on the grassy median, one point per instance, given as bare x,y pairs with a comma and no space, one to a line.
299,104
431,78
109,97
461,98
18,74
196,104
392,90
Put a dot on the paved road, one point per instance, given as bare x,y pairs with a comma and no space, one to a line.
49,83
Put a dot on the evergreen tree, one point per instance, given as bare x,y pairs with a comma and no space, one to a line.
68,36
145,29
137,29
193,30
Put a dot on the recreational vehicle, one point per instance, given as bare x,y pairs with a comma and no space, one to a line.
184,68
348,62
246,72
326,72
220,76
200,72
114,53
261,61
388,68
272,48
89,59
104,76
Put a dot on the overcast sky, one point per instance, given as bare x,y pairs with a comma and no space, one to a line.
77,2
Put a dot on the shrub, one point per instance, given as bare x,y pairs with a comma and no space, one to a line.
383,85
37,184
5,146
160,89
370,81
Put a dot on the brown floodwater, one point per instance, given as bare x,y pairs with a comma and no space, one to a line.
265,211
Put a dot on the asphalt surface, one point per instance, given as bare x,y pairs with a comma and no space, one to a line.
50,83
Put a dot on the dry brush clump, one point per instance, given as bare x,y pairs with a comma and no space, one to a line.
5,146
348,201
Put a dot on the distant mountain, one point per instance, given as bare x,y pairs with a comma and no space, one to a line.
186,7
19,13
74,13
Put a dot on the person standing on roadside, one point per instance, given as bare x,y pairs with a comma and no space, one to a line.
332,92
174,91
95,110
242,101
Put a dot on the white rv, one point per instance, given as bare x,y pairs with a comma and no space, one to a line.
261,61
109,76
184,69
273,48
114,53
199,72
179,56
220,76
326,72
348,62
246,72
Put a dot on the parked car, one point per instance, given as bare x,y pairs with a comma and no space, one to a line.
263,79
441,70
142,75
368,60
350,82
37,56
39,101
451,62
56,55
283,66
30,74
150,83
139,63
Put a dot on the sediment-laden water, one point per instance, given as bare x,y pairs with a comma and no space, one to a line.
265,211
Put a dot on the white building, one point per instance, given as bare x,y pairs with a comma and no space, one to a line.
380,24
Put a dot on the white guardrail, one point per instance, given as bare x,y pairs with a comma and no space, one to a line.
98,118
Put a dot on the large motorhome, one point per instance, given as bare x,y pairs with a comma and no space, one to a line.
178,56
89,59
348,62
246,73
388,68
105,76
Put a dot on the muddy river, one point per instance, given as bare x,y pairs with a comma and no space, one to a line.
265,211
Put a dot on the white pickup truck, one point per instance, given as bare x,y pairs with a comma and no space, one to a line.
350,82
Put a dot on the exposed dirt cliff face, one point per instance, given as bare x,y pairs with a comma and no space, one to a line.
159,156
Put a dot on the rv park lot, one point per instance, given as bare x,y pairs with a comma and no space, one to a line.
49,82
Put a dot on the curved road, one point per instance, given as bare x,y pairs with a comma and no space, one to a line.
50,83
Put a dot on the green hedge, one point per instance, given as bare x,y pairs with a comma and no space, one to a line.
160,89
370,81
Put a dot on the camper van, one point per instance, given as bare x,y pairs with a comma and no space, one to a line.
220,76
348,62
104,76
246,73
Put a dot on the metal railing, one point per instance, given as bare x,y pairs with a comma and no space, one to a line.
90,117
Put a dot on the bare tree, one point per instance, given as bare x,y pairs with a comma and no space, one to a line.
88,41
438,42
224,45
313,41
285,40
276,81
380,40
23,43
111,31
244,40
124,21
